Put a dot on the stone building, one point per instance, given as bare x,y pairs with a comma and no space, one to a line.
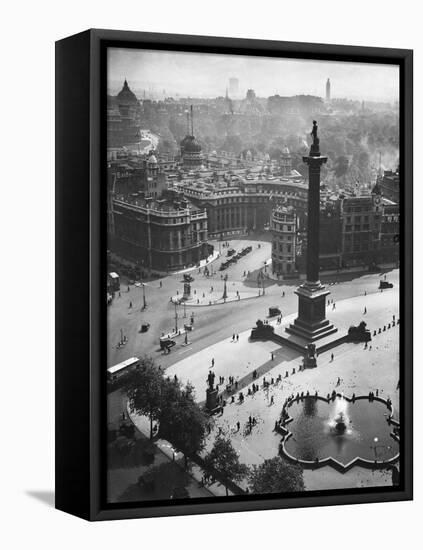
123,118
283,227
163,234
370,224
390,185
237,205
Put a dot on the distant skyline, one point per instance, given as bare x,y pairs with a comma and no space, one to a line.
207,75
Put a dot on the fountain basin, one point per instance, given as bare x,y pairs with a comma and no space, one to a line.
339,432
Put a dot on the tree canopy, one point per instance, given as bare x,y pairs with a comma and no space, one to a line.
143,386
181,421
276,475
224,459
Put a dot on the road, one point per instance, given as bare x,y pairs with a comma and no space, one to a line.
211,323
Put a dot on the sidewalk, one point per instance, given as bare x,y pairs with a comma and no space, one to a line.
240,357
142,423
202,263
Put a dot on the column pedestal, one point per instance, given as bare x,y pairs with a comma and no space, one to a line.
211,401
311,323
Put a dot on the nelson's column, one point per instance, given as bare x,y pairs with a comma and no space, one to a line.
311,323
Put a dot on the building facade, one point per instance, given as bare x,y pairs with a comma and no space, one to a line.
369,229
390,185
283,227
159,234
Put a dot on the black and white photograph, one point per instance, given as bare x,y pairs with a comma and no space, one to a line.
253,276
211,275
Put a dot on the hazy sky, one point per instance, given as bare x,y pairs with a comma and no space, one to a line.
207,75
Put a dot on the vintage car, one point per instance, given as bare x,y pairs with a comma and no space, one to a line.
385,284
166,343
145,327
273,311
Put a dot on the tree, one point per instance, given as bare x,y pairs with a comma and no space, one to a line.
224,459
341,166
276,475
182,422
232,143
144,389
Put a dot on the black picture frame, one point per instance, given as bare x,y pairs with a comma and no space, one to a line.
81,274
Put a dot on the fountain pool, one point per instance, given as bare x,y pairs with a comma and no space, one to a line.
340,429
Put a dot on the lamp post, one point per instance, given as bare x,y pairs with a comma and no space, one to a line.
176,318
143,296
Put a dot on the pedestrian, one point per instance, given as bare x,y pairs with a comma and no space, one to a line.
365,293
238,425
237,337
365,311
272,400
233,337
213,362
272,355
130,305
283,294
161,284
119,294
331,356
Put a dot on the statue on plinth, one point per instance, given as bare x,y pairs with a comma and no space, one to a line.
210,380
212,406
310,360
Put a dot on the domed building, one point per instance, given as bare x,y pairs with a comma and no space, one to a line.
191,153
152,165
127,102
123,118
126,96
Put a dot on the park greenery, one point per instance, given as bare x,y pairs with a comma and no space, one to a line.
276,475
166,402
224,460
353,134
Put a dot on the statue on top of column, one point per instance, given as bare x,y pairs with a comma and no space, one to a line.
315,149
